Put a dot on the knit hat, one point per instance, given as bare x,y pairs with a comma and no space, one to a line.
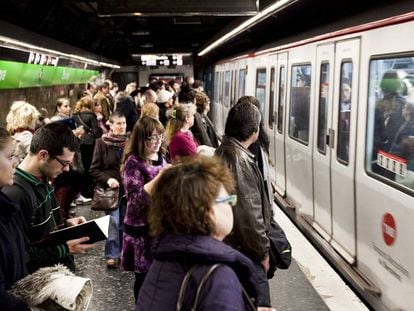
164,96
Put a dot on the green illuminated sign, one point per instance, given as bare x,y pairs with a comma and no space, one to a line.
19,75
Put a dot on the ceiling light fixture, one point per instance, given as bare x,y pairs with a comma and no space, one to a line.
12,43
271,9
141,33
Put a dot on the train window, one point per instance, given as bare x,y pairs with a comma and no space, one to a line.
344,115
227,88
234,98
281,99
300,103
242,82
323,107
390,128
272,98
261,88
216,86
221,88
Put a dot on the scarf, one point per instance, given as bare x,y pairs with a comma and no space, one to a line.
112,140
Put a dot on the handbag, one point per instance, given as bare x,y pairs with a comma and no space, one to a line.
47,289
280,252
105,199
209,271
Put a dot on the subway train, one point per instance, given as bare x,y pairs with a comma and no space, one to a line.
339,110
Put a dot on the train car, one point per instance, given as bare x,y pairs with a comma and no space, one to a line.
339,109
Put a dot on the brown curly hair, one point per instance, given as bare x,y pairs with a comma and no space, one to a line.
184,194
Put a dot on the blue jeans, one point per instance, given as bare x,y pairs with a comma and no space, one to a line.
263,295
112,244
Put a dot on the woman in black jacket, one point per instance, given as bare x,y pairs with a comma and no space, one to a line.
84,117
105,169
12,240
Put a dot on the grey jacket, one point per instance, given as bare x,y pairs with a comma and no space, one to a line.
252,213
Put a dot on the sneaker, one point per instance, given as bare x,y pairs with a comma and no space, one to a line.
111,263
82,200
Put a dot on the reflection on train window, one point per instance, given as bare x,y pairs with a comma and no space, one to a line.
390,136
344,115
281,99
216,87
261,88
323,107
300,103
242,83
227,88
272,98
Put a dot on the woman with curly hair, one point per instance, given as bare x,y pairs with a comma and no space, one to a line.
22,120
190,215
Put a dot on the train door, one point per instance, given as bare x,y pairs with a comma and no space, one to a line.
343,132
279,127
325,65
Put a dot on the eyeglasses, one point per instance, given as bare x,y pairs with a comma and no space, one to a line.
231,199
63,163
155,138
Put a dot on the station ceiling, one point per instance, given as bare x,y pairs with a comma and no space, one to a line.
117,29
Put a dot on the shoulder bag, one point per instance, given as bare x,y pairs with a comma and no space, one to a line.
105,199
210,269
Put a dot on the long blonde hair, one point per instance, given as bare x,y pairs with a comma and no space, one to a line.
177,119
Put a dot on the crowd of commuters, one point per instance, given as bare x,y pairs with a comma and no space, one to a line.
178,212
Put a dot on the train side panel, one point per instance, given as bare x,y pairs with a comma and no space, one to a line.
385,214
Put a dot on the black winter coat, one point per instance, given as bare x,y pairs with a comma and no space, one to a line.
12,254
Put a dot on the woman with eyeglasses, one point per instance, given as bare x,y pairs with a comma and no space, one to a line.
190,216
142,161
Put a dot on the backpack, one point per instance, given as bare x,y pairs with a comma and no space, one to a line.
280,252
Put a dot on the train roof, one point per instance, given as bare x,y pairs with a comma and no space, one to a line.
118,30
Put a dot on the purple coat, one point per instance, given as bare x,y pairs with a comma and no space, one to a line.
175,254
135,254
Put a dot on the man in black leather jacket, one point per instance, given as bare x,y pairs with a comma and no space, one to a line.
252,213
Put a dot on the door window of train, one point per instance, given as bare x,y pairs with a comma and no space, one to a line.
281,98
344,115
216,86
272,98
261,88
390,134
300,103
323,107
226,88
242,82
